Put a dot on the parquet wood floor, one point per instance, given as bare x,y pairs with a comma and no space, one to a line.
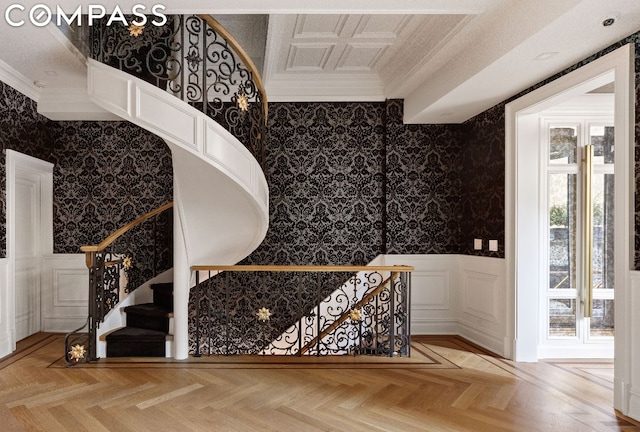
447,385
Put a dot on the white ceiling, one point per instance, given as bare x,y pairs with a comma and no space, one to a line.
448,59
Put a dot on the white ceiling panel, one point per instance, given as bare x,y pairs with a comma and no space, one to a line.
308,56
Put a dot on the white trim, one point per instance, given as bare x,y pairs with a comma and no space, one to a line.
6,344
14,161
15,79
517,246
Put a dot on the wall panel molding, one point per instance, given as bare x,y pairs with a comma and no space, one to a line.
65,292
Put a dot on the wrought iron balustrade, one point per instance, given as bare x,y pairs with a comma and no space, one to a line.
281,310
132,255
194,58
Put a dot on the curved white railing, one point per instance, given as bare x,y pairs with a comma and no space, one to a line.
221,196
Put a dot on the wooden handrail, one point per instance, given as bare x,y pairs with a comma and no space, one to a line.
257,79
342,318
120,231
300,268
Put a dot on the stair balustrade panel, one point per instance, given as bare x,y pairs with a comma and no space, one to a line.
195,59
124,261
289,313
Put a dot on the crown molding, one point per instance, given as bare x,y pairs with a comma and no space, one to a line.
323,88
15,79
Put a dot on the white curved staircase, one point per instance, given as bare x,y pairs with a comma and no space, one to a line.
221,196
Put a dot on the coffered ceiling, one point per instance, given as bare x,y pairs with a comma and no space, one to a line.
321,57
448,59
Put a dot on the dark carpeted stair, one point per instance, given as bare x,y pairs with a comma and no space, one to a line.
147,327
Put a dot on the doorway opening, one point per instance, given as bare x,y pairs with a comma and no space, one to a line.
29,237
526,265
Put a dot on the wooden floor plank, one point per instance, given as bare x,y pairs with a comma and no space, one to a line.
450,385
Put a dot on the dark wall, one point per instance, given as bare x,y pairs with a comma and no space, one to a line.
484,164
105,175
330,200
21,129
423,191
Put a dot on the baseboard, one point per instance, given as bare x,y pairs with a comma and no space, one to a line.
6,347
434,327
493,343
64,324
621,396
634,404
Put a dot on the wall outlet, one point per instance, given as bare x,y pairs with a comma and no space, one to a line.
493,245
477,244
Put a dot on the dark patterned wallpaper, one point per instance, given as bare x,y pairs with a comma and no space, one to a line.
106,173
483,165
423,191
24,130
324,165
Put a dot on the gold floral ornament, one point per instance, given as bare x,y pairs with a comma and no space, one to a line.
77,352
127,263
355,315
135,30
264,314
243,102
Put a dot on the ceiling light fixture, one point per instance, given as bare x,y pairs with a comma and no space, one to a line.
609,21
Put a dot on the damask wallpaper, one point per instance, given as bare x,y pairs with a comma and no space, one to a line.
21,129
482,175
423,191
324,165
105,173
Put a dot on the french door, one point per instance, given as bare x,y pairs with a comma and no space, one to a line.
577,300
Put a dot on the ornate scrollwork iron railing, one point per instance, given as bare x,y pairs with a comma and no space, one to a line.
194,58
367,314
130,256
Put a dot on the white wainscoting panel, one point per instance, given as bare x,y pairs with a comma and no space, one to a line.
6,346
628,386
483,314
434,294
65,290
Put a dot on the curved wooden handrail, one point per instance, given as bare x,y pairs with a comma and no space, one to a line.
257,79
301,268
120,231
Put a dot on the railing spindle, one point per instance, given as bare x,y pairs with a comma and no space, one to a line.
197,354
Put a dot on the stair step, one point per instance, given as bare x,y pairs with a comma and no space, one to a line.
163,295
136,342
148,316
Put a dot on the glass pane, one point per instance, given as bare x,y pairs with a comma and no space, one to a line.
602,139
603,231
562,145
602,318
562,231
562,317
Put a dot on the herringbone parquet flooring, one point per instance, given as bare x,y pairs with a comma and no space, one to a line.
448,385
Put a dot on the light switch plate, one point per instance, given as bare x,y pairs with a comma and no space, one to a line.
477,244
493,245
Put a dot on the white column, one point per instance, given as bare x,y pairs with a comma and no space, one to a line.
181,283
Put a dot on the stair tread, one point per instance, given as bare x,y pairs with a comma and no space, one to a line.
131,334
148,309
